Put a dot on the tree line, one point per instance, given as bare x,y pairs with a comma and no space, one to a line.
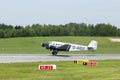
70,29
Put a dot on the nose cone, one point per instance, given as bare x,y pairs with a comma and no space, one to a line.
44,44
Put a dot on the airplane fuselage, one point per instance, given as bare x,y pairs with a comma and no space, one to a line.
61,46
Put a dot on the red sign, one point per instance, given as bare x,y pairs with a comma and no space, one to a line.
47,67
90,63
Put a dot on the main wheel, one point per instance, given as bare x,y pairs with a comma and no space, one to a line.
54,52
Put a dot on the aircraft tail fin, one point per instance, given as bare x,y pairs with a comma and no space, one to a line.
92,45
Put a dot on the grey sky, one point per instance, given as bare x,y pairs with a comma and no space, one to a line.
28,12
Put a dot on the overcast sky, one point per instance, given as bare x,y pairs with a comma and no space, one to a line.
28,12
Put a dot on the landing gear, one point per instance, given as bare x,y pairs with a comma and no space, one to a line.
54,53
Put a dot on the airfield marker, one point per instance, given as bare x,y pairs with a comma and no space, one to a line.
47,67
89,63
80,61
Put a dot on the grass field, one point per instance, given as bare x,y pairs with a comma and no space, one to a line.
31,45
105,70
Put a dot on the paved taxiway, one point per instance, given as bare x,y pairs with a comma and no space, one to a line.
8,58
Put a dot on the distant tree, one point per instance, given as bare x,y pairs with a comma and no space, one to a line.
70,29
1,33
8,33
3,26
17,33
91,30
38,29
118,32
28,32
18,27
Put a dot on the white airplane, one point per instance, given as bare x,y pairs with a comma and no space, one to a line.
61,46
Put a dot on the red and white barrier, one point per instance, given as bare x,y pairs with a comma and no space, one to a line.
47,67
90,63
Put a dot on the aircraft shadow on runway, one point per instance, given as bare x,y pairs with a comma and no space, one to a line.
61,55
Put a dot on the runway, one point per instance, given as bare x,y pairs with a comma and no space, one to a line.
11,58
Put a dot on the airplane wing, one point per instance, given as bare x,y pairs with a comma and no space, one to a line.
65,47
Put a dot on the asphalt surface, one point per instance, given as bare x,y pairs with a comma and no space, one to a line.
11,58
